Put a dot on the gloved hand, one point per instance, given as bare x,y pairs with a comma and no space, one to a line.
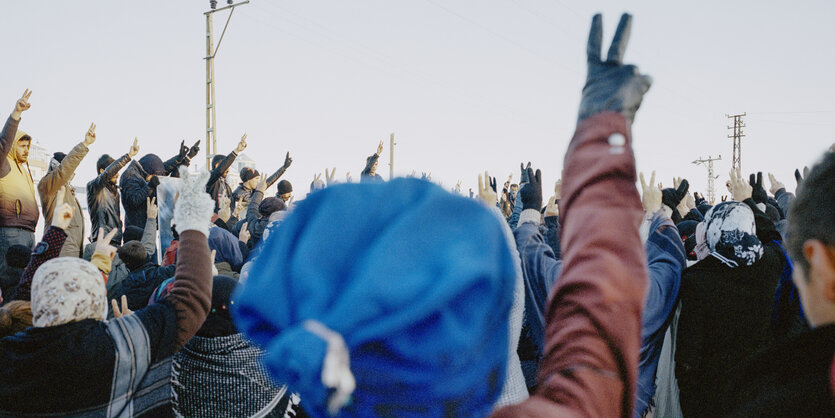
524,178
531,192
758,193
799,177
194,207
288,161
672,197
194,149
610,85
183,150
487,192
154,182
740,189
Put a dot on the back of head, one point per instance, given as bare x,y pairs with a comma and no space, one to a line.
216,160
133,254
270,205
152,164
103,161
67,289
284,186
18,256
15,317
219,322
812,215
407,265
731,234
132,233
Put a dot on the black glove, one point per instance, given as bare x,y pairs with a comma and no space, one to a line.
194,149
672,197
183,150
699,198
287,160
154,182
758,193
531,192
492,183
610,85
524,178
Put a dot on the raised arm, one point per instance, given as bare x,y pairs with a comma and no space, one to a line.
149,234
10,129
59,177
594,314
277,175
224,165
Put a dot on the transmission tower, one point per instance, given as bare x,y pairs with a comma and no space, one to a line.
737,136
708,162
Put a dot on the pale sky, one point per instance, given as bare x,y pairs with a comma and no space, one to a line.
465,85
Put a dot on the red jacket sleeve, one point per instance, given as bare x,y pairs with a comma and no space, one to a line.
593,333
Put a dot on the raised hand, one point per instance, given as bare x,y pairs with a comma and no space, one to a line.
349,179
610,85
193,150
239,207
552,208
799,178
224,210
194,207
531,192
134,149
487,190
103,243
558,189
241,145
650,196
758,191
124,311
673,197
212,260
244,235
380,148
740,189
262,184
153,209
287,160
775,184
62,215
524,177
21,105
90,137
183,149
329,178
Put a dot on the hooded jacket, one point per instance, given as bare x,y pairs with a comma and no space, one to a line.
217,179
48,189
135,189
103,201
18,207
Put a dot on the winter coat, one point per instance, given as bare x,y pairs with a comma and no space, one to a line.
135,191
665,261
217,179
725,317
9,278
224,377
243,194
366,176
103,201
119,271
540,269
48,189
18,207
791,379
141,282
119,367
594,312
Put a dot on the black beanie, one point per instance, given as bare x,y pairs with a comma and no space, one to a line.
152,164
18,256
219,321
248,174
687,231
132,233
284,186
270,205
59,156
217,159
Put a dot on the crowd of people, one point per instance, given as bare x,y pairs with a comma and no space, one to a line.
613,297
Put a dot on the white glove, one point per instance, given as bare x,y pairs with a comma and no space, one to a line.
194,207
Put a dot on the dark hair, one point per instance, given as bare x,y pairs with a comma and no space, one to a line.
133,233
812,215
103,162
133,254
216,160
18,256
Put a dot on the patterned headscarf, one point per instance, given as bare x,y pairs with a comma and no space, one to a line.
730,233
65,290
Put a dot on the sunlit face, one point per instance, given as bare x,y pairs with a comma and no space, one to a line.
21,150
251,183
286,196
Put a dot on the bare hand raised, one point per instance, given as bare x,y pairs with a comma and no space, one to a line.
91,135
22,105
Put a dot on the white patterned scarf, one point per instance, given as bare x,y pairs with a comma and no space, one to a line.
730,233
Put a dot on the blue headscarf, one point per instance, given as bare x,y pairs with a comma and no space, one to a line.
417,281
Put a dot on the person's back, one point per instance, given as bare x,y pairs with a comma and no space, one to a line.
144,274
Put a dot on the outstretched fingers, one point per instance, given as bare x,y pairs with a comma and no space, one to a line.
621,39
595,39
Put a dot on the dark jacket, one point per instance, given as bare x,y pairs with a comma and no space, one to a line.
141,282
217,180
791,379
135,190
725,317
540,269
243,194
9,278
665,261
366,176
103,201
69,369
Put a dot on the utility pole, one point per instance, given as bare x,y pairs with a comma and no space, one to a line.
391,157
708,162
737,137
211,51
